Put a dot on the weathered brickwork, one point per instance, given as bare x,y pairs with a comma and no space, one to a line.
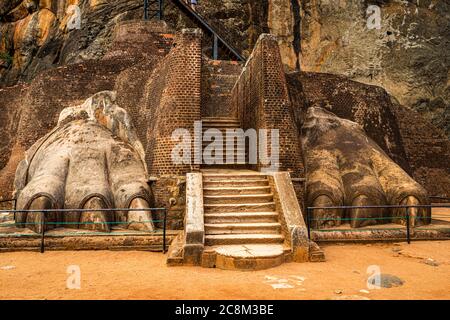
427,150
365,104
175,102
262,100
35,108
218,79
412,142
167,189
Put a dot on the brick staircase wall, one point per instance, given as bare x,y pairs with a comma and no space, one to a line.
174,101
261,98
218,79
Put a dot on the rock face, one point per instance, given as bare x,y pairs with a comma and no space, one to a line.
406,50
149,68
38,34
408,55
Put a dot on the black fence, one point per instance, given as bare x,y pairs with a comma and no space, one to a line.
407,217
44,223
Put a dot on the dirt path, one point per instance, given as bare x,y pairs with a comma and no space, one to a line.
142,275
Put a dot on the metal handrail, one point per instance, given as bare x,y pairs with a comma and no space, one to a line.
216,28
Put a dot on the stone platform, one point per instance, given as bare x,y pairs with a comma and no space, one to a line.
245,257
17,239
439,229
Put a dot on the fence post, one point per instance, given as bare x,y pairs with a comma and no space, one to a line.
14,208
408,235
43,232
308,222
145,9
164,230
215,47
161,9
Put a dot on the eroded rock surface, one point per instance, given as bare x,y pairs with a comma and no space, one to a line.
408,55
93,160
345,167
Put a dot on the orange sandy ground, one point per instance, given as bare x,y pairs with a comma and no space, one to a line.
144,275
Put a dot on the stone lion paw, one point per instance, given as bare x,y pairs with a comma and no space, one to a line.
91,160
346,168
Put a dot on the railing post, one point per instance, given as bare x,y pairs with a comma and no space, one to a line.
145,9
215,47
408,234
14,208
308,222
164,230
43,232
160,9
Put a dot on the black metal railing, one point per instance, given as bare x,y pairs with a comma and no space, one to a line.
310,216
220,33
153,8
43,223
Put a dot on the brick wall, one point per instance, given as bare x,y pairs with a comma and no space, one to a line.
427,150
410,140
218,79
365,104
262,100
174,101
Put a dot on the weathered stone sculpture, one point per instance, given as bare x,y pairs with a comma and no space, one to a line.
345,167
92,160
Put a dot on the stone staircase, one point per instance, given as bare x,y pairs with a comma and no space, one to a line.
223,124
242,229
218,80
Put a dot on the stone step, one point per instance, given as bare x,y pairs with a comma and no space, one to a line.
206,143
244,257
234,166
235,183
224,153
240,207
235,190
211,177
220,125
219,119
238,199
241,217
250,238
242,228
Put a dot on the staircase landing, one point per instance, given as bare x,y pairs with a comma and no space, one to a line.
245,257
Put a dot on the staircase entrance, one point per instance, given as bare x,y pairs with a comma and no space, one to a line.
242,228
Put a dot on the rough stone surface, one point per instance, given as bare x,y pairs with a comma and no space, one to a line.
248,257
385,281
194,222
293,224
408,55
406,137
346,168
93,153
